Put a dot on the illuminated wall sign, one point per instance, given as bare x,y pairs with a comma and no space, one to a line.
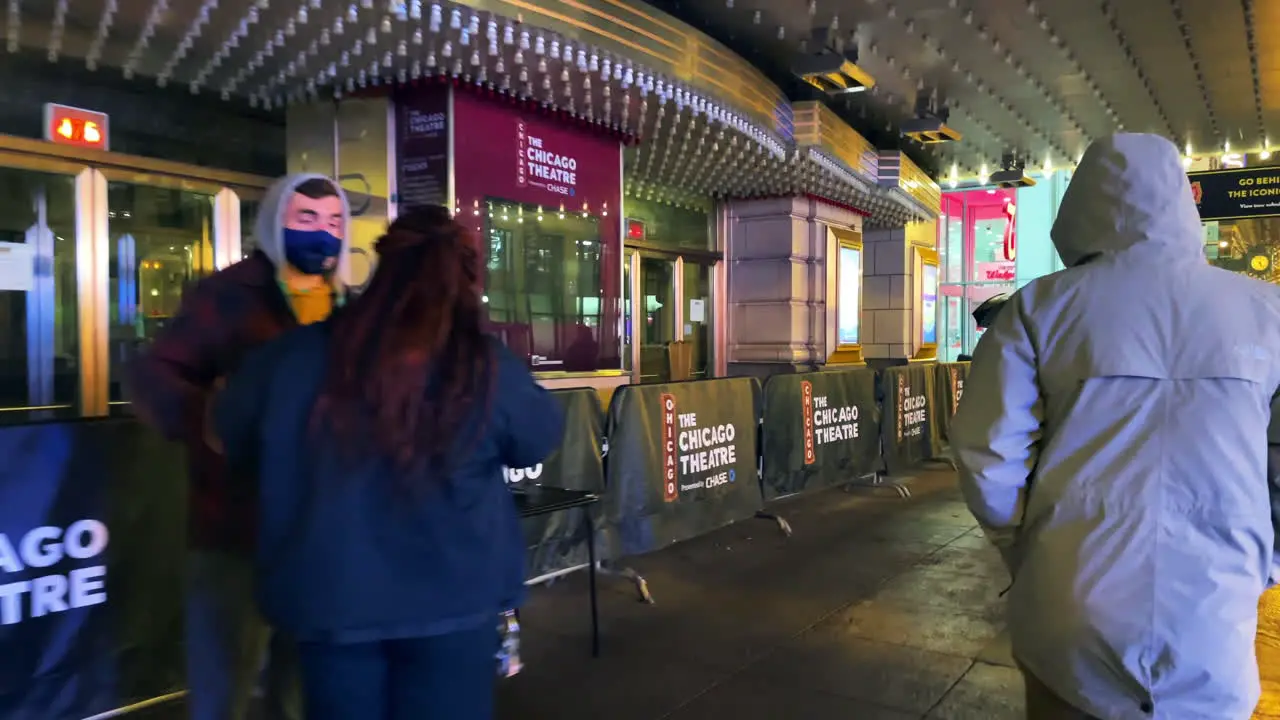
635,229
76,127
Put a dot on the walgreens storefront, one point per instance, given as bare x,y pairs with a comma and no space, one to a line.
991,241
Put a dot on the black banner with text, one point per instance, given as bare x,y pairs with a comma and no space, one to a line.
682,461
907,422
92,547
948,389
1234,194
422,143
558,541
820,429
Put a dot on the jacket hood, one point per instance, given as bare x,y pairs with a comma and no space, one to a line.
1129,189
269,224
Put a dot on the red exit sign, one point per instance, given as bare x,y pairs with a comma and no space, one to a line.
73,126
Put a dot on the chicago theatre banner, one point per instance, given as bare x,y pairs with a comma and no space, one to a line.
92,544
682,462
820,429
909,427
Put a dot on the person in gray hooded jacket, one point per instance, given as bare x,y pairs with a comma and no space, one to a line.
1113,444
293,278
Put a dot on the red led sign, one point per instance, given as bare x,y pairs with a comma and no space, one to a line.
635,230
73,126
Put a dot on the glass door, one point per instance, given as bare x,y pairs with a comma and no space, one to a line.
696,289
39,302
656,313
160,243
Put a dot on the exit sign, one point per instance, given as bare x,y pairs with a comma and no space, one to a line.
635,229
73,126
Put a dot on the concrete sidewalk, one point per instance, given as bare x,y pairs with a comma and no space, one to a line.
876,609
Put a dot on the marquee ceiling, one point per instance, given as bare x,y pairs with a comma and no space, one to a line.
272,52
1039,77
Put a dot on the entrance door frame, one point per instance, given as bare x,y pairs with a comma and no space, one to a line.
634,252
92,170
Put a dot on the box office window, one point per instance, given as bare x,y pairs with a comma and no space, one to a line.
544,287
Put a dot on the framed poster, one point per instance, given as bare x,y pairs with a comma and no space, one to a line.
929,304
926,304
848,296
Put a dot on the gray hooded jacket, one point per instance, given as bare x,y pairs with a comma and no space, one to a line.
1113,444
268,227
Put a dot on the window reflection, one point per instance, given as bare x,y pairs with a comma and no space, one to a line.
39,333
160,243
544,287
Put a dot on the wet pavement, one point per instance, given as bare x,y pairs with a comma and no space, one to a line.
877,608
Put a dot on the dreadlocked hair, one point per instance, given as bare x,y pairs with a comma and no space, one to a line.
409,363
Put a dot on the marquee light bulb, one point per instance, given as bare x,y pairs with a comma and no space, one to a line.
984,175
1266,149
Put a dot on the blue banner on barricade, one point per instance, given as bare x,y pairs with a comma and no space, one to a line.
92,547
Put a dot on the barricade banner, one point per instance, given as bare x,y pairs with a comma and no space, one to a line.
558,541
949,382
682,462
908,425
820,429
92,549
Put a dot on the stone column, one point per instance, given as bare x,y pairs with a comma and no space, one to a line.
779,284
890,295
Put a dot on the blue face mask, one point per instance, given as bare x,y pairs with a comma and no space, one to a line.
310,250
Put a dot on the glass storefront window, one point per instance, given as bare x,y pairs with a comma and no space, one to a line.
248,226
39,331
544,287
160,241
977,252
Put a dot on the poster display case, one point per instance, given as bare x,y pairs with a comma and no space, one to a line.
926,305
848,311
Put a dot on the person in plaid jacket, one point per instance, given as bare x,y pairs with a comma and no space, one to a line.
293,278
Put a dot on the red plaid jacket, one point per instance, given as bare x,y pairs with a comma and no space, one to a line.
222,318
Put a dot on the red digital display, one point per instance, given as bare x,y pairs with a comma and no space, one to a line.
73,126
635,230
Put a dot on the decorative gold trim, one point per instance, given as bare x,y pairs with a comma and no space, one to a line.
816,125
848,353
917,183
562,375
928,256
34,153
634,29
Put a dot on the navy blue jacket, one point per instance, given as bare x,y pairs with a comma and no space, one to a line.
344,553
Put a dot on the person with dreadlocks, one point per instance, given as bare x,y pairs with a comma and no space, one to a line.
389,544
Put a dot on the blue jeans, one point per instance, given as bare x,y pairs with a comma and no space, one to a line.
227,641
446,677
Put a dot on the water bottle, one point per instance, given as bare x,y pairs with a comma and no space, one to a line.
508,655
